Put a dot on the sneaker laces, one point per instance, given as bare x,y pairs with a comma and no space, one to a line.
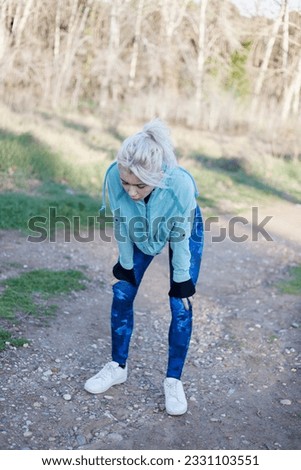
172,389
106,372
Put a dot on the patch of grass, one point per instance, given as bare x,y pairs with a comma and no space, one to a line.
285,175
6,337
29,292
293,285
241,183
24,156
58,184
16,208
218,184
25,160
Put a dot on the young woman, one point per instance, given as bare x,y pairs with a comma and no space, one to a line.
153,201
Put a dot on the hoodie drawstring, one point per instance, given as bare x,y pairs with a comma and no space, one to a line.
104,188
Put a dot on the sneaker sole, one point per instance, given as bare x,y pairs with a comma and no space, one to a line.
176,413
95,392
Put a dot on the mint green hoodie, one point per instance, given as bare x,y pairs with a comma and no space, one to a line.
166,217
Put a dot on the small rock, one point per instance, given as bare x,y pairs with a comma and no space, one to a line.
114,436
109,397
27,434
285,402
67,397
81,440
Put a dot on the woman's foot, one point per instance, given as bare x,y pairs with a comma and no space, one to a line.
175,400
110,374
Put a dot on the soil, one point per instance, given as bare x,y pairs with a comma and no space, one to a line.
242,375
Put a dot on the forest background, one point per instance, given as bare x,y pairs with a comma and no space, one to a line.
200,64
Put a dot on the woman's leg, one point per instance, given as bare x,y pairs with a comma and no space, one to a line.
181,319
122,314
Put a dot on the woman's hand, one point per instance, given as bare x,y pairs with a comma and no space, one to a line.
123,274
182,290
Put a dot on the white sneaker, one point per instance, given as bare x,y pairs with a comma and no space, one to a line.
175,400
110,374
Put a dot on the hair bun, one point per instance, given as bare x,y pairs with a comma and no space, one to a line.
158,131
148,153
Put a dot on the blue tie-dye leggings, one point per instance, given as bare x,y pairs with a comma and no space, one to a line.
124,293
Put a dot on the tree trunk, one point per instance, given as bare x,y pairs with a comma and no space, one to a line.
22,22
112,53
265,63
134,58
200,62
285,45
57,32
291,101
173,12
3,36
77,26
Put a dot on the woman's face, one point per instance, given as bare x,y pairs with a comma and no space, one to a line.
136,189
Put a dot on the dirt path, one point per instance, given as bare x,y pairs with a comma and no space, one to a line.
243,371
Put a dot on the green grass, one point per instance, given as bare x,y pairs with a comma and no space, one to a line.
225,184
29,292
58,185
243,183
293,285
6,337
25,157
17,208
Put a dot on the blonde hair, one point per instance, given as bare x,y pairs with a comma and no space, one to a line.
148,153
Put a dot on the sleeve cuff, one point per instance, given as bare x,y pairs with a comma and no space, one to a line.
182,290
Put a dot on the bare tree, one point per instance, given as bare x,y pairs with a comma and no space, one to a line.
173,12
112,55
265,63
200,60
285,44
77,23
178,56
134,58
292,96
3,35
